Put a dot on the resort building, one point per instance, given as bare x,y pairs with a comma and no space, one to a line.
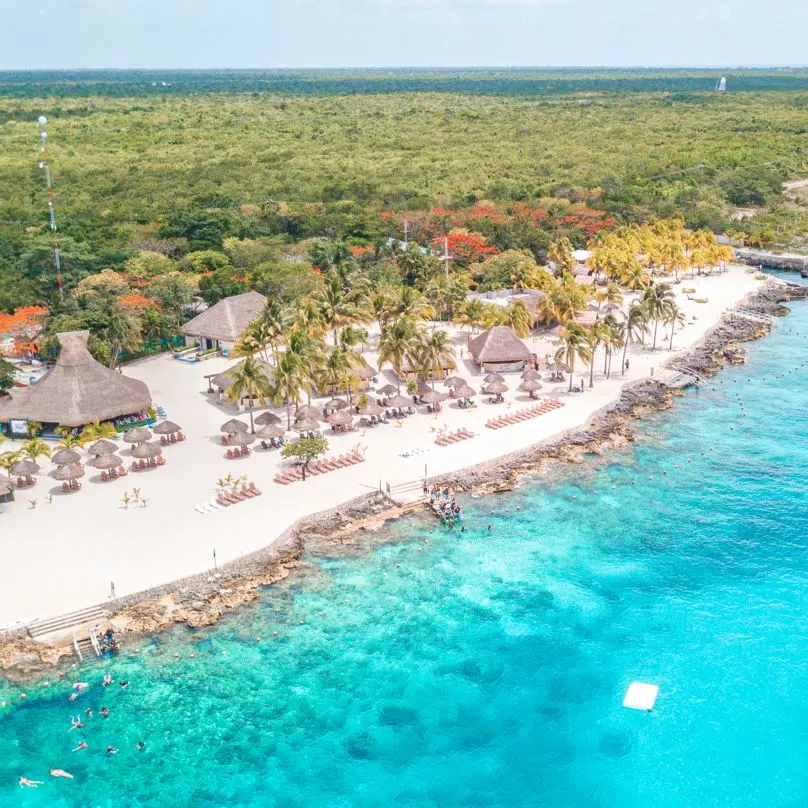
499,349
76,391
409,370
221,324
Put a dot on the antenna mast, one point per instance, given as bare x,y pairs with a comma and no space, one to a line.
44,164
446,258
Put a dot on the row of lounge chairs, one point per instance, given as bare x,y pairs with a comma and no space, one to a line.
227,498
71,485
320,467
174,437
112,474
238,451
448,438
144,465
524,415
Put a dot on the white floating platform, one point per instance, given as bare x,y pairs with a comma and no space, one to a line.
640,696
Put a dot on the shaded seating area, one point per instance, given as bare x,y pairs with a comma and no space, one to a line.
274,434
111,467
524,415
448,438
169,432
320,467
147,455
239,445
69,475
24,470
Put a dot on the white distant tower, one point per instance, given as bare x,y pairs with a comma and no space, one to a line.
44,164
721,85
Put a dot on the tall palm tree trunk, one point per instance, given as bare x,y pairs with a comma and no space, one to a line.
592,370
625,348
656,326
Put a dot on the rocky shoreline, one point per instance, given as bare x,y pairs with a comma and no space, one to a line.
201,600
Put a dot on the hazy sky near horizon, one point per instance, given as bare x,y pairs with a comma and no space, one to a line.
395,33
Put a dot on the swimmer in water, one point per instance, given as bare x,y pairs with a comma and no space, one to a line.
81,745
105,712
75,723
107,680
88,712
123,684
141,745
24,781
490,528
61,773
111,750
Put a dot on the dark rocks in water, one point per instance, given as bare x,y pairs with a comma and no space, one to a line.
394,715
360,746
614,744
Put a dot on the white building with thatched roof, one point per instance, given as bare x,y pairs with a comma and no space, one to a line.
499,349
76,391
221,324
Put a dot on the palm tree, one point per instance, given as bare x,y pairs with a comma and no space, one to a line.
612,340
471,314
398,341
34,448
634,327
122,333
8,459
517,318
335,367
289,376
96,431
434,353
656,301
336,307
574,345
560,253
673,317
248,380
33,428
597,335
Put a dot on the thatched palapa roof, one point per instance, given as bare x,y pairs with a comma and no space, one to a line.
77,390
224,379
498,345
226,319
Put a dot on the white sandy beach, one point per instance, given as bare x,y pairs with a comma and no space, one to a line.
62,556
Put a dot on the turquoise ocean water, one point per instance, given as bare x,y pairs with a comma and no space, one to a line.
487,669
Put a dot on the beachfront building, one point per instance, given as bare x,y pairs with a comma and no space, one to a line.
221,325
499,349
409,371
76,391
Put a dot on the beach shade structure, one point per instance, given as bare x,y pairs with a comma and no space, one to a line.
335,404
241,439
146,451
558,367
232,426
137,435
363,371
422,387
306,425
102,447
340,418
454,381
530,386
463,392
495,387
165,428
307,411
67,472
399,401
493,377
433,397
612,308
271,431
387,390
65,456
267,418
106,461
531,373
371,408
24,468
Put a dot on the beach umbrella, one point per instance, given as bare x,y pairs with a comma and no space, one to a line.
531,373
271,431
463,392
493,377
102,447
387,390
146,451
433,397
336,404
241,439
65,456
611,308
136,435
454,381
306,425
24,468
307,411
364,371
68,472
232,426
558,367
530,386
340,418
495,387
266,418
398,401
166,428
106,461
422,387
371,408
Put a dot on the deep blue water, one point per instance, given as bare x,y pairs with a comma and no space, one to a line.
487,669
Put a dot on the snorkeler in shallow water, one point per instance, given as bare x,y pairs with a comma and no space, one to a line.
24,781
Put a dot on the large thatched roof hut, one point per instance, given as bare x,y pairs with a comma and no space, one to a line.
76,391
221,324
499,349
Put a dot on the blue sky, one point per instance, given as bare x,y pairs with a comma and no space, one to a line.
365,33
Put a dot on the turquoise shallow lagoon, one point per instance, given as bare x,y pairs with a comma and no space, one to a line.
487,669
